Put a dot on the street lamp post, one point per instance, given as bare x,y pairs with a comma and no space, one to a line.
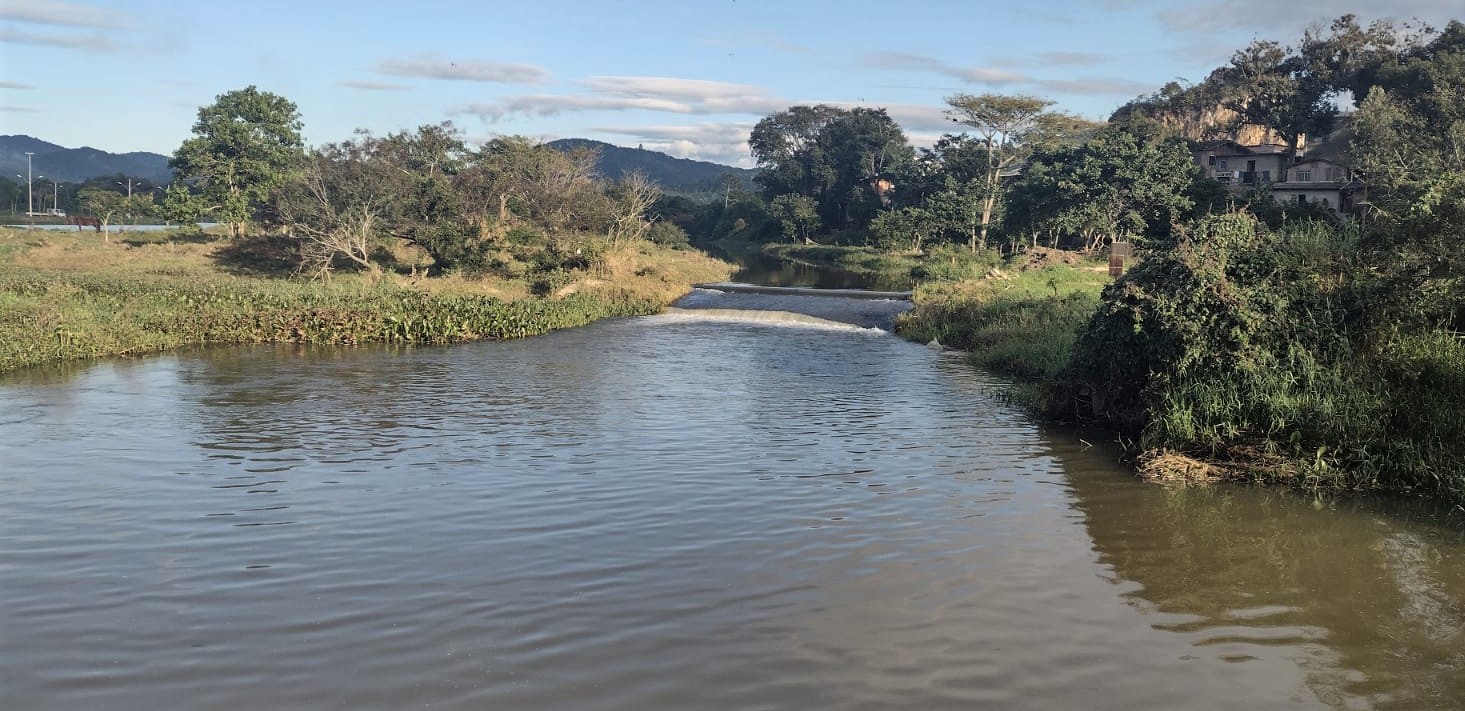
29,208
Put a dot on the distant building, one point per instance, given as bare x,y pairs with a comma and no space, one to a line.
1319,174
1242,167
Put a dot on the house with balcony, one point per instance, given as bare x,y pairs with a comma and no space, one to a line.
1322,182
1242,167
1319,175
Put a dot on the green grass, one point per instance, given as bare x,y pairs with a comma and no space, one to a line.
1018,323
67,297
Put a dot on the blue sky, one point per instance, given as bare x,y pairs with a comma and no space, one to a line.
686,77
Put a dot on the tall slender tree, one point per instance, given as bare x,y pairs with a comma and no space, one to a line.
1005,124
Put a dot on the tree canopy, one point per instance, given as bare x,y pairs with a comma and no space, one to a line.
245,145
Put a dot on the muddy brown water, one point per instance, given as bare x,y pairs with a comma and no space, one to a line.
677,511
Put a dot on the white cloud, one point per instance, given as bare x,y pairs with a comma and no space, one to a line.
464,70
692,89
904,61
94,41
628,93
51,12
375,85
14,85
1099,87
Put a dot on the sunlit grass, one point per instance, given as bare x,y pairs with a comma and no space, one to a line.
65,296
1019,323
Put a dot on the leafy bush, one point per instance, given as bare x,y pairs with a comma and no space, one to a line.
1247,344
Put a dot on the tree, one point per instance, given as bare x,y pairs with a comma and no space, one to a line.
785,147
861,150
1113,186
105,205
1005,123
1409,145
631,199
520,178
181,205
244,146
843,159
338,203
904,228
798,214
1269,86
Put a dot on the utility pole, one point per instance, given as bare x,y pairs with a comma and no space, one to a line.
29,208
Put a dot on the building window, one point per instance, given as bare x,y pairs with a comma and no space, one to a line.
1304,176
1222,166
1210,160
1301,199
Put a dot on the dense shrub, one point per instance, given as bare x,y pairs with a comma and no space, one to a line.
1245,343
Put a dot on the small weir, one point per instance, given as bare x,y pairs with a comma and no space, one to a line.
794,305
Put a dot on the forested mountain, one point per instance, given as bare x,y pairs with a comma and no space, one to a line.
74,165
677,175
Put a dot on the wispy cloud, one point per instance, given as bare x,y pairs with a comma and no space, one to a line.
375,85
66,14
14,85
1069,59
904,61
93,41
1001,78
1097,87
669,87
18,110
630,93
464,70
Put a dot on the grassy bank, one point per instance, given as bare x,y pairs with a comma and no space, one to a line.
69,295
1019,320
892,269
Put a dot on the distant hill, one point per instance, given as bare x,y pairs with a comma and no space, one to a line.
74,165
677,175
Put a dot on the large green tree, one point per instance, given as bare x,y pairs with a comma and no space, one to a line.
1410,146
1273,86
1115,186
843,159
245,145
785,146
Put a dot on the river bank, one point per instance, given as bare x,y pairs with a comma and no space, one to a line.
1208,367
66,296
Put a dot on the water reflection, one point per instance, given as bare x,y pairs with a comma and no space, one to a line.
665,513
1366,597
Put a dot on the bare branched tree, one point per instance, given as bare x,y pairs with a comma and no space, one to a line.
632,198
336,206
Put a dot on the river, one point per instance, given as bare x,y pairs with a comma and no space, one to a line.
695,510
